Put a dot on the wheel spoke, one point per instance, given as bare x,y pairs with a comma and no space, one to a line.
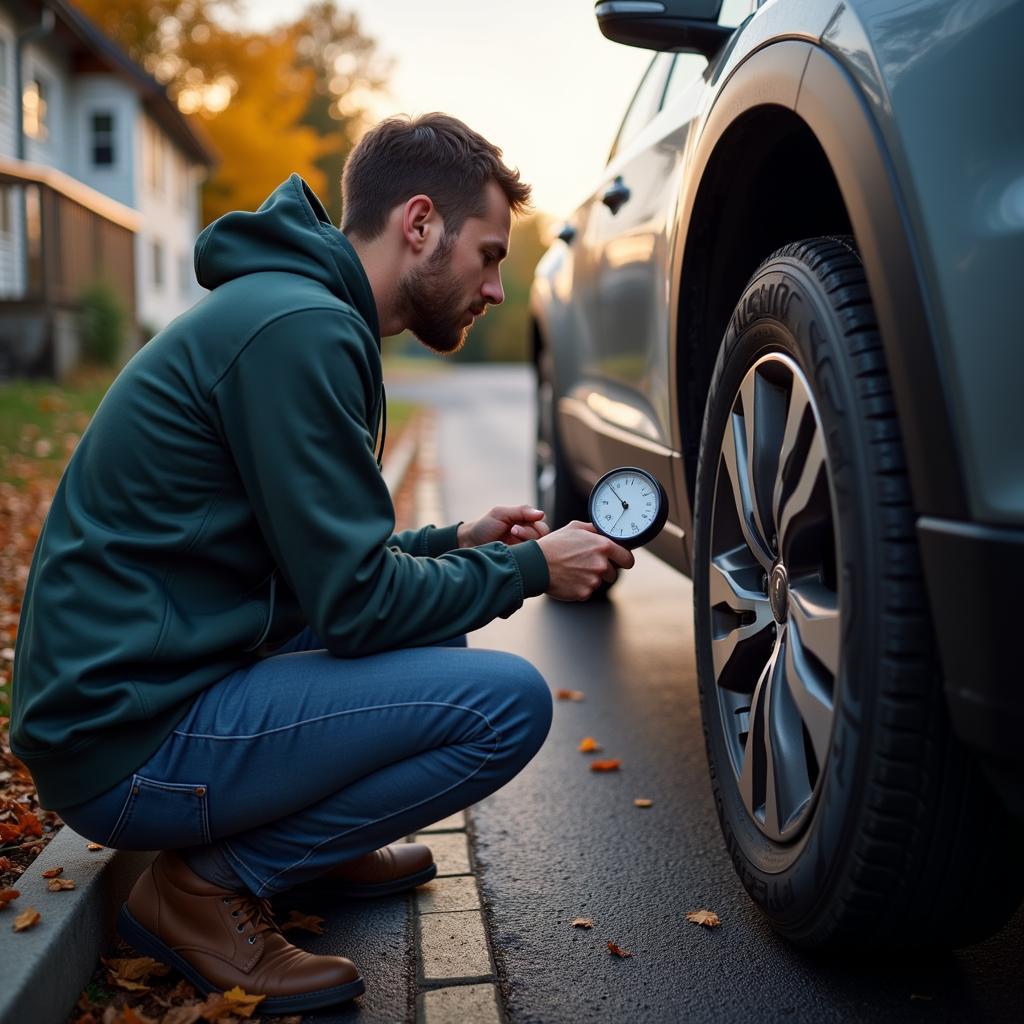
751,780
787,785
800,498
812,700
734,456
727,587
799,403
814,612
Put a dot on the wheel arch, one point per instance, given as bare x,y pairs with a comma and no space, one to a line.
791,125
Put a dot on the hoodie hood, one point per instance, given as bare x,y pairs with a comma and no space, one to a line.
292,233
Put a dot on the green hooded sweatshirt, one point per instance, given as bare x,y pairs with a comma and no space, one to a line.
225,495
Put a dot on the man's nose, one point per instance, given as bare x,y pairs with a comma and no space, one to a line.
493,292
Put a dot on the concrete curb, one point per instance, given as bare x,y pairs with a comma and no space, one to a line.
46,967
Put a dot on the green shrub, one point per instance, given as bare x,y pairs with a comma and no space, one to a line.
102,324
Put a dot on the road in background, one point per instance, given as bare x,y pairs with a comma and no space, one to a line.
561,842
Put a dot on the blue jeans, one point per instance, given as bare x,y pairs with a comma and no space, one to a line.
288,767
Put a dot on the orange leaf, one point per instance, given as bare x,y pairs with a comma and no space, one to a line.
30,824
616,950
609,765
136,968
582,922
59,884
52,872
6,864
234,1002
642,801
6,895
569,694
9,832
28,918
588,745
306,921
94,846
131,1016
708,918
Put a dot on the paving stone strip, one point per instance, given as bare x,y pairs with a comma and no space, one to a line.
455,972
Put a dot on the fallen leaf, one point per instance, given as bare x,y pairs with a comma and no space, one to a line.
235,1001
569,694
609,765
708,918
616,950
135,968
306,921
588,745
6,864
180,1015
130,986
94,846
7,895
30,825
28,918
132,1016
52,872
582,922
642,801
59,884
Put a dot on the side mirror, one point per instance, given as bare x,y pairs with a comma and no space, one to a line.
681,26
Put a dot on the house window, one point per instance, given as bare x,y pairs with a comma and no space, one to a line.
185,275
158,265
102,129
35,101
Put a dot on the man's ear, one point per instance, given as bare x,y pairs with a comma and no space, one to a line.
419,221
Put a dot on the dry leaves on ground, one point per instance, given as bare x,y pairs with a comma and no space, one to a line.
582,922
8,896
610,764
642,801
569,694
131,973
305,921
60,884
617,950
588,745
53,872
707,918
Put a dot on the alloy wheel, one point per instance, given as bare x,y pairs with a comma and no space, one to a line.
775,606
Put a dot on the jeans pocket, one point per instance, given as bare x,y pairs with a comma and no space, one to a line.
162,816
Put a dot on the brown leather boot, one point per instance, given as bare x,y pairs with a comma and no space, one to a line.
218,938
379,873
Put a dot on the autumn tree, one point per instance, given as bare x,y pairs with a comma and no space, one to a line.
293,99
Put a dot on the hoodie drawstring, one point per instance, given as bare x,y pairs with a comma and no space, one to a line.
383,421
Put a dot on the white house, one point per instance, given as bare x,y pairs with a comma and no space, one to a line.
101,181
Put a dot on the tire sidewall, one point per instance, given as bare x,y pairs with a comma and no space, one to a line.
786,309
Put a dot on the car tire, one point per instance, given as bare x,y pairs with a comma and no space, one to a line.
851,814
557,495
555,489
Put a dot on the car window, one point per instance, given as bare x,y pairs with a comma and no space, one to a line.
686,69
646,102
733,12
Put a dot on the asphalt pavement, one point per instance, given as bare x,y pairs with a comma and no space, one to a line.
561,842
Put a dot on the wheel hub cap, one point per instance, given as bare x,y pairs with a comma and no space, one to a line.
778,592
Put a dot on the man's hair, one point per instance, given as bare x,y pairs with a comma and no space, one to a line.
436,155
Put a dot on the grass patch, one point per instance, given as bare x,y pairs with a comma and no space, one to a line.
40,422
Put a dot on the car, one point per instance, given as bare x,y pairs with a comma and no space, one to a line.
792,297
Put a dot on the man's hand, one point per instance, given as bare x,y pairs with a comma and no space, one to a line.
510,524
579,558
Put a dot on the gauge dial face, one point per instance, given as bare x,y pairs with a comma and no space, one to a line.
627,505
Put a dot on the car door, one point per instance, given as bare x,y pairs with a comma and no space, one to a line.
618,408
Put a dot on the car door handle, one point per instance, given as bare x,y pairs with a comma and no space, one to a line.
616,194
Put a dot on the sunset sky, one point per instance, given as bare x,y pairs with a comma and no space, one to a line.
534,76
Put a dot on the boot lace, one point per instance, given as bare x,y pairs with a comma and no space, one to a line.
254,911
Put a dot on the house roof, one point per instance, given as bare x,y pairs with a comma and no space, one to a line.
84,36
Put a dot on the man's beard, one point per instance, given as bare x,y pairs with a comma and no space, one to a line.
433,301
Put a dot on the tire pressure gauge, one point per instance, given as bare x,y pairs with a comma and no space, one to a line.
628,505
